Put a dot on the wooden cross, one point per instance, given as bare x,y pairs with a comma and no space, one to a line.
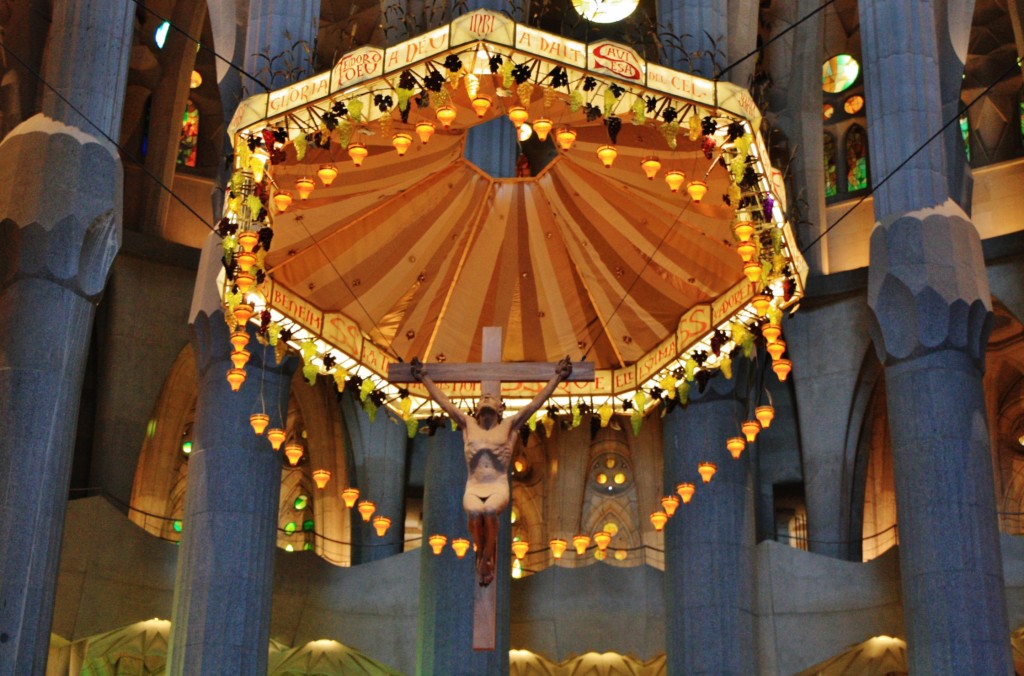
490,373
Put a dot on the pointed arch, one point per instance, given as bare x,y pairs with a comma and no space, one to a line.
856,147
831,173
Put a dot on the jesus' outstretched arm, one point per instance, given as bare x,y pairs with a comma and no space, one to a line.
419,372
562,371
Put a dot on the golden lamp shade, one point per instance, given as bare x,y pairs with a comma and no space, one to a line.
771,332
519,548
481,104
518,115
350,495
776,349
327,174
558,547
743,229
686,491
460,546
602,539
244,281
543,128
782,368
750,429
304,186
321,477
581,542
240,358
761,303
358,153
247,239
259,422
658,520
735,446
402,142
565,137
650,166
607,155
670,503
282,201
675,180
235,378
243,313
446,115
765,415
752,270
706,471
239,339
366,509
245,260
294,453
381,525
697,190
424,130
276,436
746,250
436,543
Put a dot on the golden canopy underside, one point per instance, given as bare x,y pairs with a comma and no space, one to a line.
423,251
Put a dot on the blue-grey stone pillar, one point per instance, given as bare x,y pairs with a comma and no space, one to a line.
277,29
445,637
60,224
709,573
378,469
221,618
931,306
710,36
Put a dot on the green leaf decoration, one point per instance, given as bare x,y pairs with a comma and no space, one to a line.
636,419
609,101
404,95
339,379
683,392
308,348
774,315
309,372
274,333
668,385
639,111
244,154
355,110
236,181
365,389
726,366
640,400
577,417
743,143
254,204
370,408
344,133
549,425
506,73
694,125
575,101
689,368
532,422
412,425
742,336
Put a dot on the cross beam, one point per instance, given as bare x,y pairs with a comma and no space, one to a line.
518,372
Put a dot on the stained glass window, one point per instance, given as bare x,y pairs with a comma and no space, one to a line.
965,132
839,73
189,135
828,111
853,105
856,158
830,166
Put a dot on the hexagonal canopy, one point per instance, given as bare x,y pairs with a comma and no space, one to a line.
410,256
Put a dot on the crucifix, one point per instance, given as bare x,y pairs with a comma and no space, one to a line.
489,441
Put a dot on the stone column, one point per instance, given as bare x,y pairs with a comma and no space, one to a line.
709,570
928,292
712,36
445,637
60,224
222,598
275,26
378,470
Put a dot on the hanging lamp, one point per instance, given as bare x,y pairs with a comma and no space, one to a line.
776,349
581,542
366,509
651,165
276,437
358,153
282,201
670,504
401,141
259,422
436,543
381,525
350,495
240,358
460,546
239,339
244,281
602,539
481,104
658,520
242,313
706,471
247,239
735,446
607,155
750,429
771,332
697,190
519,548
558,547
565,137
235,378
424,130
329,172
746,250
542,127
675,179
304,186
765,415
518,115
686,491
321,477
446,115
782,368
294,453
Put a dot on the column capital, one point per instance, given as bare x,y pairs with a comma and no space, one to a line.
926,285
60,199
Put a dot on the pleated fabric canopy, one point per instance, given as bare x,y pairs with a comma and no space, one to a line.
422,251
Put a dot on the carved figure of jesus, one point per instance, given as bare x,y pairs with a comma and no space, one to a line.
489,441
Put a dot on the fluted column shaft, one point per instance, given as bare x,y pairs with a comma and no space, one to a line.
931,305
271,50
222,599
60,222
709,574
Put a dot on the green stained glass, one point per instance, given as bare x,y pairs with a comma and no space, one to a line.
177,525
831,185
965,133
289,548
308,547
290,527
307,525
856,159
301,502
839,73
